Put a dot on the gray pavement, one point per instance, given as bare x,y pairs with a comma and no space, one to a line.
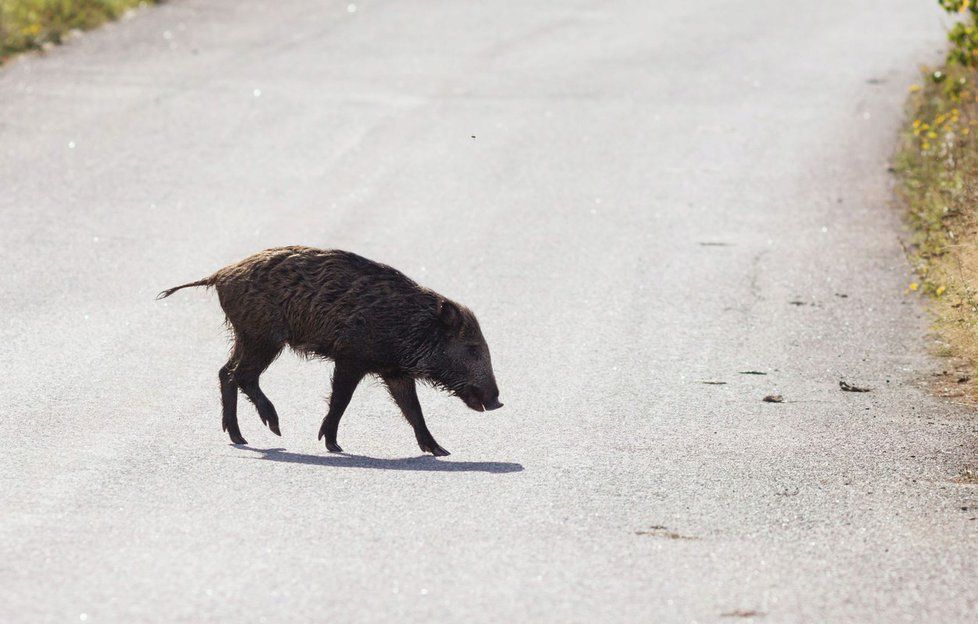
629,194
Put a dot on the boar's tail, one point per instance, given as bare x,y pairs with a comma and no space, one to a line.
207,281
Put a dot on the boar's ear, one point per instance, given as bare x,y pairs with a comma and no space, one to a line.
448,314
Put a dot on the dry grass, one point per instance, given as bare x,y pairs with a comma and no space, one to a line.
938,167
968,476
30,24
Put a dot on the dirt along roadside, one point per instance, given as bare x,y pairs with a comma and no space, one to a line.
937,165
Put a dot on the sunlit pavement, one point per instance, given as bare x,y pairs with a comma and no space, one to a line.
630,195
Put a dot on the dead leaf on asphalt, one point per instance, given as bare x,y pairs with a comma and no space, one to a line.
657,530
848,387
774,398
743,613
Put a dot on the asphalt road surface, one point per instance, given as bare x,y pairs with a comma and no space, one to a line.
629,194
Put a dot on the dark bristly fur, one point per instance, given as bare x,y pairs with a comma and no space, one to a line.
369,318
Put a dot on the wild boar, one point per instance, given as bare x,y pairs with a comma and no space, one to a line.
368,318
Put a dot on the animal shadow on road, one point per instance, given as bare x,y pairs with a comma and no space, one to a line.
424,463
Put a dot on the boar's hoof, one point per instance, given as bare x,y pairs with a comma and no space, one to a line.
439,452
238,439
273,427
435,450
333,447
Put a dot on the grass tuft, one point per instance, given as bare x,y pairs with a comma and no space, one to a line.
30,24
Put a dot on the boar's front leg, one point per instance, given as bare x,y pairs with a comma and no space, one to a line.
345,380
406,396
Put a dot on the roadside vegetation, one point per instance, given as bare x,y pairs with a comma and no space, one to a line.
938,167
30,24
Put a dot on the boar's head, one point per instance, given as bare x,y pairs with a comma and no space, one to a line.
459,361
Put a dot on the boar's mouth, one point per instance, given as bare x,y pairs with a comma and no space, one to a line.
477,401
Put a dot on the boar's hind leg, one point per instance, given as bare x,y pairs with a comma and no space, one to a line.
406,396
229,403
345,380
255,357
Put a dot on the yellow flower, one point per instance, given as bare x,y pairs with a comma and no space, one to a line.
925,146
940,290
916,123
915,88
914,285
931,135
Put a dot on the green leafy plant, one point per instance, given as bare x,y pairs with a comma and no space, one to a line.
964,34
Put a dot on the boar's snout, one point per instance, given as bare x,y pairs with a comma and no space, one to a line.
492,403
481,399
489,395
